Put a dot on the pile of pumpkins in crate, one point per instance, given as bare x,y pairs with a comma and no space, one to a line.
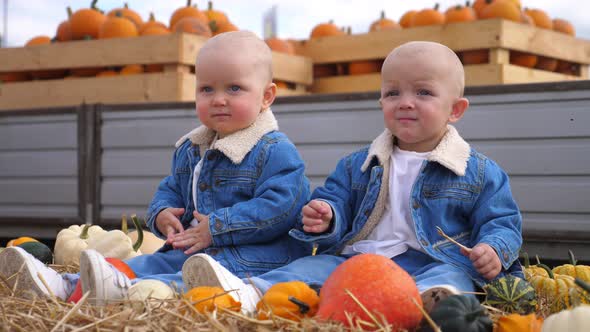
366,290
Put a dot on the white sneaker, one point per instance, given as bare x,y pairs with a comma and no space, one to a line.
203,270
104,282
433,295
19,267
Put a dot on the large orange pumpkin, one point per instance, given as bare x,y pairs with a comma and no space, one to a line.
85,23
215,15
563,26
406,19
540,18
280,45
117,26
64,30
379,284
384,23
222,27
364,67
129,14
479,5
152,23
460,13
505,9
325,30
187,11
428,16
192,25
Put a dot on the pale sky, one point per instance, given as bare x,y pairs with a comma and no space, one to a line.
29,18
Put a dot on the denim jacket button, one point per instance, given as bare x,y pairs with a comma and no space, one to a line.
211,156
367,212
213,252
424,242
416,204
202,186
218,225
505,255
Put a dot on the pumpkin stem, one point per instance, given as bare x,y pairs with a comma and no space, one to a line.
210,5
124,227
538,260
137,225
69,11
188,3
382,14
126,5
467,3
93,4
527,262
572,258
213,26
152,17
546,268
303,307
436,6
84,234
582,284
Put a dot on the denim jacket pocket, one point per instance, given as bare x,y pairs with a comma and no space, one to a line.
234,180
460,191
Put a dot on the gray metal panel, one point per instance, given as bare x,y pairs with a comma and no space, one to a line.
38,166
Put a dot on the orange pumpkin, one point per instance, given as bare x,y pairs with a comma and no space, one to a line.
280,45
523,59
364,67
129,14
563,26
152,23
568,68
281,84
325,30
207,299
545,63
406,20
429,16
117,26
187,11
326,70
291,300
460,14
131,70
85,72
121,266
64,30
222,27
479,5
379,284
194,26
154,31
85,23
215,15
540,18
107,73
501,9
384,23
519,323
14,77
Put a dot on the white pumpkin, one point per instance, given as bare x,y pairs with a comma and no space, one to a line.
574,320
150,289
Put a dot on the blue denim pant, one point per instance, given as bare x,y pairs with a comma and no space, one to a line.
314,270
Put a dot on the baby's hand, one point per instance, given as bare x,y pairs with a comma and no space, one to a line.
168,223
196,238
485,260
317,216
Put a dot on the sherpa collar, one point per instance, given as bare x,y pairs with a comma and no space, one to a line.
238,144
452,152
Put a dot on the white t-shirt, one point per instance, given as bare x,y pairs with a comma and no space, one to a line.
196,174
395,233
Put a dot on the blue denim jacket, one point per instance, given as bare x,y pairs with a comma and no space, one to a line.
457,189
252,186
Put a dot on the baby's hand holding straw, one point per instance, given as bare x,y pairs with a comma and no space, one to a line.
441,233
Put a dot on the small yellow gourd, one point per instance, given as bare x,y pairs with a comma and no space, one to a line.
574,270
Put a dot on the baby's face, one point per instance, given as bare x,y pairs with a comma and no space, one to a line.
417,98
230,91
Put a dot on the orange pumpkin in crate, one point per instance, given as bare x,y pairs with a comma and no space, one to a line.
194,26
505,9
379,284
563,26
406,19
540,18
14,77
479,5
222,27
44,74
107,73
280,45
325,30
117,26
64,30
131,70
428,16
524,59
187,11
460,13
364,67
152,23
384,23
215,15
129,14
85,23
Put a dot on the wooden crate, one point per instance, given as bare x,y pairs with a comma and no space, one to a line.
498,36
177,52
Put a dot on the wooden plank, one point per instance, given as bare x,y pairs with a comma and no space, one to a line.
343,84
144,88
173,48
292,68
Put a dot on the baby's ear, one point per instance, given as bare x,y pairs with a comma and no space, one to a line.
459,107
270,92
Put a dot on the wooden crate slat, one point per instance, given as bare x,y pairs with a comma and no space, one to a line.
342,84
292,68
144,88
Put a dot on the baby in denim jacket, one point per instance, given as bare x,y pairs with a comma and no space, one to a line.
236,187
390,197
